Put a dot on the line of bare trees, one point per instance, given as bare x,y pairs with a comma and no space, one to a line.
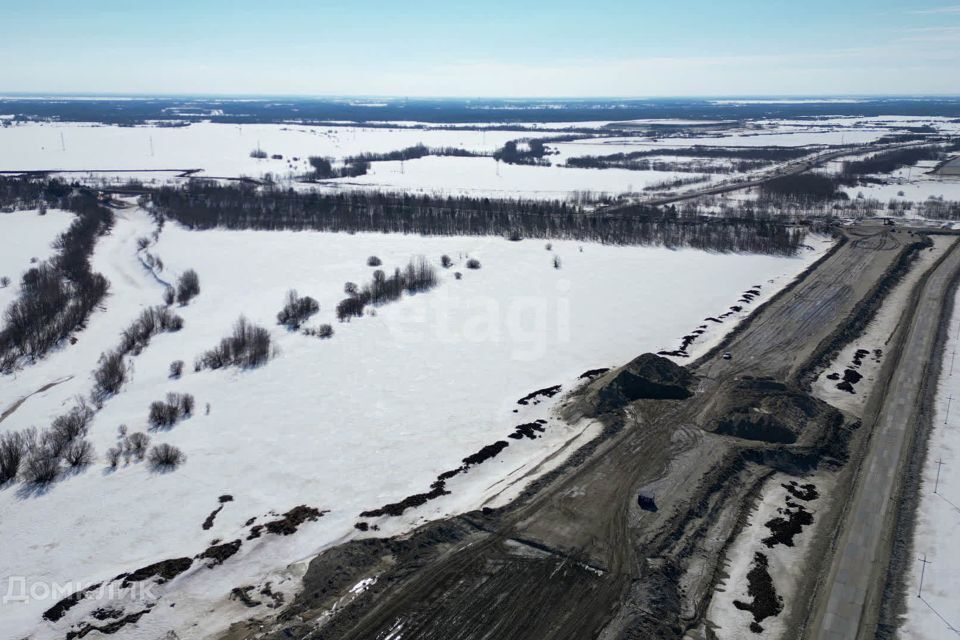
57,295
202,205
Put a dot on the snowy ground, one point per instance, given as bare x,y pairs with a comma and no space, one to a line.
347,424
26,236
786,562
936,613
487,177
217,149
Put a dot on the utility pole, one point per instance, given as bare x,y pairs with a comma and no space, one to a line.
948,410
63,145
923,568
936,485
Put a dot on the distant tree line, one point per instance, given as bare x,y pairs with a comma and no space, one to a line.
772,154
804,187
358,165
645,164
56,295
887,162
529,150
203,205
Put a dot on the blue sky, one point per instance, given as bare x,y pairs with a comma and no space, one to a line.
494,48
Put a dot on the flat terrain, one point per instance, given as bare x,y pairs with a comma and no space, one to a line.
579,559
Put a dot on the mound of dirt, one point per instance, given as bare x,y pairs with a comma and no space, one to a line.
768,411
647,377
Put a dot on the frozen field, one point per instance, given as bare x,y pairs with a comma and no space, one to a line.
486,177
216,149
348,424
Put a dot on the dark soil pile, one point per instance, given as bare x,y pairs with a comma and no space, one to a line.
647,377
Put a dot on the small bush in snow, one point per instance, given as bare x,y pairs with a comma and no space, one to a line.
188,286
176,369
556,262
323,331
165,457
137,444
151,322
13,447
374,261
109,376
473,263
248,346
458,275
258,153
549,247
74,424
167,413
4,282
445,261
348,308
297,310
41,467
79,454
350,288
169,296
113,457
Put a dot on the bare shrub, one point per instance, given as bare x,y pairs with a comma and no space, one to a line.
445,261
258,153
41,466
169,296
165,457
188,286
556,262
152,321
514,236
168,413
113,457
13,447
458,275
4,282
79,454
297,310
374,261
549,246
137,444
176,369
348,308
473,263
109,376
248,346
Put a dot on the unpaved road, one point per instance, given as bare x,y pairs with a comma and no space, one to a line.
852,595
575,557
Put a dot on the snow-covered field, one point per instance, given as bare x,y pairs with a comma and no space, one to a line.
26,236
935,614
348,424
216,149
487,177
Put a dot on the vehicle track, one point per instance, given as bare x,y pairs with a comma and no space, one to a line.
578,558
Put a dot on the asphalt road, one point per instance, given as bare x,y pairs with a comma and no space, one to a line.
850,601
